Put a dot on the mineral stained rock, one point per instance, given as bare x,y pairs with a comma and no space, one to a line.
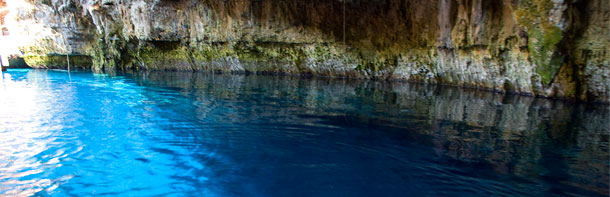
550,48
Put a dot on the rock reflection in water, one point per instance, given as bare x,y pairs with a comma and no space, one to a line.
557,142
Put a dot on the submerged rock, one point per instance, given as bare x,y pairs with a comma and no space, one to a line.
538,47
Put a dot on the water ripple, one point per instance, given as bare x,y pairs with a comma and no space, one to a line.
194,134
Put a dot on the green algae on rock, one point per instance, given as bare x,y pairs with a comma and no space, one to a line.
58,61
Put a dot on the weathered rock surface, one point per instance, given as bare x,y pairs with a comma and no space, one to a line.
546,48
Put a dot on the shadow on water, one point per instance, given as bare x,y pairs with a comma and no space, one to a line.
267,135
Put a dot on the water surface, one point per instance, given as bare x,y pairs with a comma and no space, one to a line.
195,134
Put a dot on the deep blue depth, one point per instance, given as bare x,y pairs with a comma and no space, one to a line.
196,134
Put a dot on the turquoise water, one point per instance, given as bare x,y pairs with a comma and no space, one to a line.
194,134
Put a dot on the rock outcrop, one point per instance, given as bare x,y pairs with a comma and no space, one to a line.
545,48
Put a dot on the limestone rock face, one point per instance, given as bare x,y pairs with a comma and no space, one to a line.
546,48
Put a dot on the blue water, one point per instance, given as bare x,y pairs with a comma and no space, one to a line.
195,134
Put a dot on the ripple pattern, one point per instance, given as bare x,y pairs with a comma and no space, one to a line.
198,134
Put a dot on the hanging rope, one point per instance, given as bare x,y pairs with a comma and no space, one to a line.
68,58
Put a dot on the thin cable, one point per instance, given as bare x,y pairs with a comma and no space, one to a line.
344,22
68,58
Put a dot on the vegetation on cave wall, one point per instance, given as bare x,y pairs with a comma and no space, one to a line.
58,61
506,45
543,37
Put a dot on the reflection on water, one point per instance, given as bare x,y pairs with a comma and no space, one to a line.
27,131
223,135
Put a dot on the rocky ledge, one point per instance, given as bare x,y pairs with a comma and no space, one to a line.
550,48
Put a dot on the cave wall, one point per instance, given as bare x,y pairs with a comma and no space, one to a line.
539,47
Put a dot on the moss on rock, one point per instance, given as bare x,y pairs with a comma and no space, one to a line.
58,61
543,37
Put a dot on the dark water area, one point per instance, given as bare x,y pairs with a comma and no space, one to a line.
196,134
